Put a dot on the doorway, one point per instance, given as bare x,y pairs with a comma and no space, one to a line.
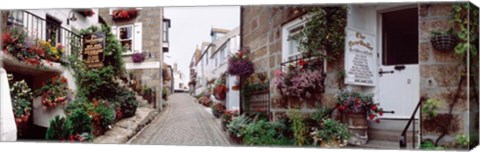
399,73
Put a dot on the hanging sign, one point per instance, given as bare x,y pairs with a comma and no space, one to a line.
359,58
93,45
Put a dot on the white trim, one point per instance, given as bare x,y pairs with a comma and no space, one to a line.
132,38
285,32
143,65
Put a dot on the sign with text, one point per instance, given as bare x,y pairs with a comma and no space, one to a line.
359,58
93,45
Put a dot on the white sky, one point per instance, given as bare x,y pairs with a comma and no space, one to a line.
190,26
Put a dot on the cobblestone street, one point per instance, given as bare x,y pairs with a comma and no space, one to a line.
184,122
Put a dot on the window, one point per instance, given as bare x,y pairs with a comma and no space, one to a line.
130,37
126,37
166,26
290,47
52,32
15,18
400,37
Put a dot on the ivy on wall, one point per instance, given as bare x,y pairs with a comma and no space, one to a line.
324,31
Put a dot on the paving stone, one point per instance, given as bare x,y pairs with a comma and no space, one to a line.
184,122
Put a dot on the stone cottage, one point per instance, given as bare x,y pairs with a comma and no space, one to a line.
143,32
400,68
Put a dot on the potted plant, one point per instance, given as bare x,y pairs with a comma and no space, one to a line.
443,40
138,57
239,64
53,92
359,109
228,116
220,92
85,12
124,14
21,101
299,81
331,134
218,109
236,128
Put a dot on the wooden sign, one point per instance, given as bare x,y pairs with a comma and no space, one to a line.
93,45
359,58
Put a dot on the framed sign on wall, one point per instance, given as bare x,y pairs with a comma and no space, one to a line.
93,45
359,58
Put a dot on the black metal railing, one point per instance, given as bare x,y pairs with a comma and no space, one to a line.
403,136
44,29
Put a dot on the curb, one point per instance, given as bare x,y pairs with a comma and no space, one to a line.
125,129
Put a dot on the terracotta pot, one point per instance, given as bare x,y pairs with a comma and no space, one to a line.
236,87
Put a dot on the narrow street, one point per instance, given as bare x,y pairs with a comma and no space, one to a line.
184,122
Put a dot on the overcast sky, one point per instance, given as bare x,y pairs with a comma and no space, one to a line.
190,26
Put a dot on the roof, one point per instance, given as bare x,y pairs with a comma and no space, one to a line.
218,30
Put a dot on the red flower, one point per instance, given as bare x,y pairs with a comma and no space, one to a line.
302,62
373,107
7,38
377,121
64,80
341,107
380,113
95,102
371,116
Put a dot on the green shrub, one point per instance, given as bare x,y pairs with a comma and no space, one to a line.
320,114
76,127
331,130
298,126
238,125
58,129
263,132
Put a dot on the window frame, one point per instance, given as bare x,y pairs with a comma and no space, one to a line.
286,41
132,38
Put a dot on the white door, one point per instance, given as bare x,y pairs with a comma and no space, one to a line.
399,73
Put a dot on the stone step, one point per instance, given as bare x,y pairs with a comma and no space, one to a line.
379,144
389,135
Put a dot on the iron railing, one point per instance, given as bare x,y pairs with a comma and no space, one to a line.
45,29
403,136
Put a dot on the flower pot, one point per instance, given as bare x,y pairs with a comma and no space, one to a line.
236,87
235,139
443,42
334,143
358,127
217,114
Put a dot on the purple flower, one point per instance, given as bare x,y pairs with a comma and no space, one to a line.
240,67
138,57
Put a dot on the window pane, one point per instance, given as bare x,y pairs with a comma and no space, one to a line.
127,44
400,37
126,32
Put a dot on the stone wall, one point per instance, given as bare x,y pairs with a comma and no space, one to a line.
261,33
440,72
151,19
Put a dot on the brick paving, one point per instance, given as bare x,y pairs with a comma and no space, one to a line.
184,122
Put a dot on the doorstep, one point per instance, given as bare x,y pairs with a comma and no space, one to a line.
126,128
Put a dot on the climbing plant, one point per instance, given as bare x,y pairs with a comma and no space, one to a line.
465,17
324,31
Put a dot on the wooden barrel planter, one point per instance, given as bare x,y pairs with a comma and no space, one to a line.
358,127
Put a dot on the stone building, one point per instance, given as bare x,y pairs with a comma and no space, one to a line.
57,27
403,68
144,32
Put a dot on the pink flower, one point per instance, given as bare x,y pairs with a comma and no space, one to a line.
278,73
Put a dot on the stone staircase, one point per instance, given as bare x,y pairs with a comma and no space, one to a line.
141,102
387,133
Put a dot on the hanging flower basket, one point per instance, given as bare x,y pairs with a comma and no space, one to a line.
443,42
86,12
124,14
220,92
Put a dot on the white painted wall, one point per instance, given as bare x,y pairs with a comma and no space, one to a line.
8,127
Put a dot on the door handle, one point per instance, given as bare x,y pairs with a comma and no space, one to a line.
399,67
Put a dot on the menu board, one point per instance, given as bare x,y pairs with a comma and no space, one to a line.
359,58
93,45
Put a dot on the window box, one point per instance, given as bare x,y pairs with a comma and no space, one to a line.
120,15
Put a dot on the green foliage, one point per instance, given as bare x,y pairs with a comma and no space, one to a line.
429,109
21,98
320,114
263,132
127,101
80,122
331,130
462,140
106,114
238,125
428,145
58,129
298,126
324,30
465,16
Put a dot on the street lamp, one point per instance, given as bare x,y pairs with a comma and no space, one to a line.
71,17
